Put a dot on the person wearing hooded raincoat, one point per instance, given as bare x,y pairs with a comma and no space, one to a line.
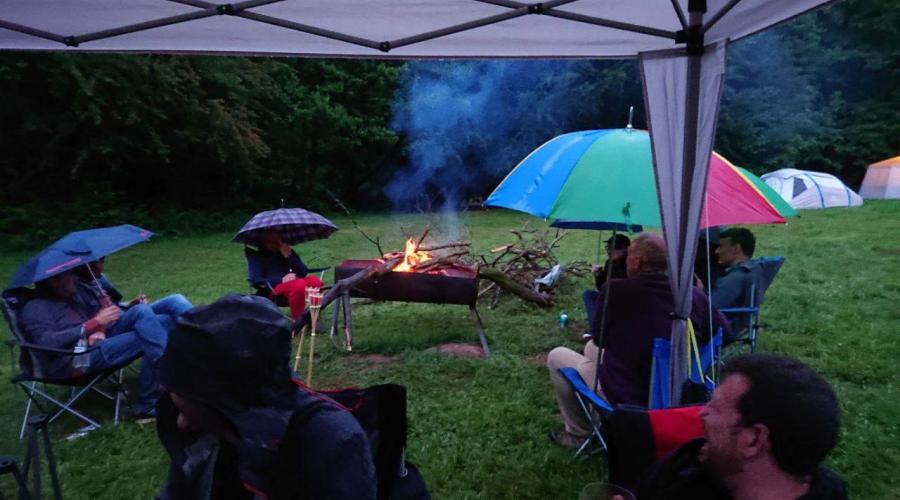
236,425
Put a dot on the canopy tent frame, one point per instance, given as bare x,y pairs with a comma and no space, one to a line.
690,34
681,114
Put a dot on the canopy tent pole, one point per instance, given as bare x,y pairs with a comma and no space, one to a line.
681,93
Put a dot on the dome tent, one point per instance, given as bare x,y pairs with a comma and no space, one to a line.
882,180
806,189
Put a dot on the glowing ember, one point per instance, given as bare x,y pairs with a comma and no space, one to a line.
412,258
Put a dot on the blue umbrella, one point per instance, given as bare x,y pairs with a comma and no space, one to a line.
103,241
77,249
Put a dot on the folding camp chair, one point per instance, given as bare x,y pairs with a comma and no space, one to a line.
637,437
590,403
264,289
763,272
31,374
659,369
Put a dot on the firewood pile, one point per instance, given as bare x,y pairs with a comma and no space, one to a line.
527,258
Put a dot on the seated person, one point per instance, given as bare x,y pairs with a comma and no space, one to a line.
616,252
708,270
235,424
167,308
769,425
64,311
639,310
732,287
277,272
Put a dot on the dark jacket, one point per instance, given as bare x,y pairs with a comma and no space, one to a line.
53,322
681,475
640,310
265,269
618,270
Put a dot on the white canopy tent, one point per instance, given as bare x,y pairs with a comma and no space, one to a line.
680,45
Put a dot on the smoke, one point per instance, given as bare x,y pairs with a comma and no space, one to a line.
468,123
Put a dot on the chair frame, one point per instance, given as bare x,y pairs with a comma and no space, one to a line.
28,377
587,398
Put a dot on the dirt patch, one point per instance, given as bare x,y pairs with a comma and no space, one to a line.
461,350
375,359
539,359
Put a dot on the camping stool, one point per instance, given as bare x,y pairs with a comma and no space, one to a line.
39,424
8,465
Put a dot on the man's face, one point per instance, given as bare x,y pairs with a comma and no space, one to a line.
728,253
722,428
63,285
271,241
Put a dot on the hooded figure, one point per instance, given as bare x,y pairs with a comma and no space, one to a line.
236,425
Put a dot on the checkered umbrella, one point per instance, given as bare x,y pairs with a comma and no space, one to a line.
295,225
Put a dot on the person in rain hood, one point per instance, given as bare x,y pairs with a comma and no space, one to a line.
236,425
277,272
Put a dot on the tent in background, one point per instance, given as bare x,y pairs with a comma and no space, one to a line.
680,46
805,189
882,180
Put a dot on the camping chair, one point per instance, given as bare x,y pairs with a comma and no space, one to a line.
659,369
764,271
31,374
264,290
637,437
590,402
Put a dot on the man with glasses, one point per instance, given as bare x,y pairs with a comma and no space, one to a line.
769,425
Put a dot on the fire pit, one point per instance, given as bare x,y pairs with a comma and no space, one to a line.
448,285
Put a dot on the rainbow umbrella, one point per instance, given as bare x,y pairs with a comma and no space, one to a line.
607,176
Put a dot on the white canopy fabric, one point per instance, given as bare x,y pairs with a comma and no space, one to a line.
681,45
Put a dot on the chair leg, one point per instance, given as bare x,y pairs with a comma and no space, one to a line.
27,408
119,395
595,430
67,406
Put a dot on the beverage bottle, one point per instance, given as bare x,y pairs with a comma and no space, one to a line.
81,361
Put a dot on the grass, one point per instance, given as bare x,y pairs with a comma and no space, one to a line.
478,427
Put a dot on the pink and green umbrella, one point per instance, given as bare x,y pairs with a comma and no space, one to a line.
607,176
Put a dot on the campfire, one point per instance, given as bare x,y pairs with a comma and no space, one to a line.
411,258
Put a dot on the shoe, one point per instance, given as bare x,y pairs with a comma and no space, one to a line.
564,439
145,416
586,336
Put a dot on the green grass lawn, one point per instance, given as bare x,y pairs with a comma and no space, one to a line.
478,426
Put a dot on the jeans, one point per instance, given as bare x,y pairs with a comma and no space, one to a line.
138,332
590,304
168,308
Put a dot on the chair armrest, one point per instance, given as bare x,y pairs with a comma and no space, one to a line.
70,352
582,388
310,270
739,310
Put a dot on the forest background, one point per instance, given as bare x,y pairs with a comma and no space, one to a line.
192,144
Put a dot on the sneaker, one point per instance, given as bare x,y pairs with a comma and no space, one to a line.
565,439
145,416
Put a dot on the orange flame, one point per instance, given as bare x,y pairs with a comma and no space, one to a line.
411,257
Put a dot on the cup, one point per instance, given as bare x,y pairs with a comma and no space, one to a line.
604,491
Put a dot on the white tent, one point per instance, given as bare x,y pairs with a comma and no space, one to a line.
806,189
882,180
680,45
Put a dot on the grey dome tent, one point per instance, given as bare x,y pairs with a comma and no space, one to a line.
680,45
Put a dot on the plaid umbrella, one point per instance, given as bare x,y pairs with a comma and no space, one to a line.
295,225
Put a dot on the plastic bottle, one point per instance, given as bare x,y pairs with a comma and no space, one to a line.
563,320
81,361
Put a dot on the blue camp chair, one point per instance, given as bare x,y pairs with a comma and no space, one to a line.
588,400
764,271
659,369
